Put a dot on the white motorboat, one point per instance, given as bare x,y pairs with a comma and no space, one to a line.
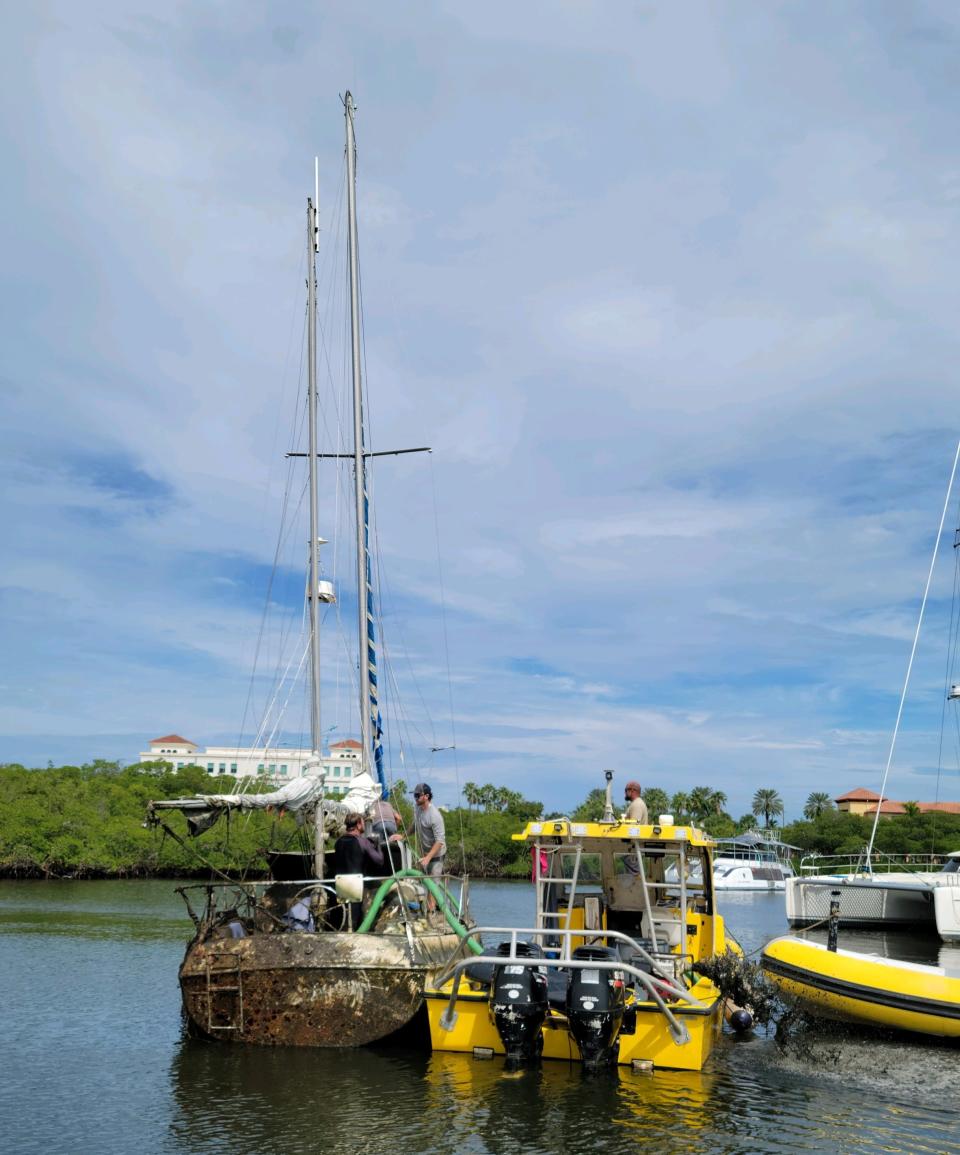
751,862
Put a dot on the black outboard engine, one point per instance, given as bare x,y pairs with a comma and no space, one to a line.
595,1004
518,1002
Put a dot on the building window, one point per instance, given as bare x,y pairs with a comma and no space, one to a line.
336,771
233,767
209,767
283,769
179,765
260,768
273,767
347,771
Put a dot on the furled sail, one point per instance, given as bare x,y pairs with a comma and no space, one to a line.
300,794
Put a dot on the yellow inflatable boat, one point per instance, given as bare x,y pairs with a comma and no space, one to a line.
864,988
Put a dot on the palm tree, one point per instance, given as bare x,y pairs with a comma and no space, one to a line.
657,802
471,792
699,802
767,803
680,805
718,800
817,802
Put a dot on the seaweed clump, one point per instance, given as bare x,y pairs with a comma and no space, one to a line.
744,984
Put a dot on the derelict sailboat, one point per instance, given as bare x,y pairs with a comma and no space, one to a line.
270,963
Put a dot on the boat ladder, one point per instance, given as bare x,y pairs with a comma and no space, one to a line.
554,913
225,985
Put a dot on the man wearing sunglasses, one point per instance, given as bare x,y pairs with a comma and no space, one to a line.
431,835
636,807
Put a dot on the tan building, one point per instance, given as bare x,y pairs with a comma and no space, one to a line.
340,764
858,801
866,802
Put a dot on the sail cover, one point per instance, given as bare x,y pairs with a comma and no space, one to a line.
300,794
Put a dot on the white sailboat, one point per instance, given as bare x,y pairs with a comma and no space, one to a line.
278,962
869,896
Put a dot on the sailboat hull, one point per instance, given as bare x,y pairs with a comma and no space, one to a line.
308,990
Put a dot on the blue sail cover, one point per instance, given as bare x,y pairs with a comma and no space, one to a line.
376,722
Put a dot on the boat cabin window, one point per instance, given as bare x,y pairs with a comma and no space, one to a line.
951,866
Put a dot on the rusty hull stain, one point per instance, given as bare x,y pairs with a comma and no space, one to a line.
328,989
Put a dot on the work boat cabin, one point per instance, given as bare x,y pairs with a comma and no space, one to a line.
624,913
646,882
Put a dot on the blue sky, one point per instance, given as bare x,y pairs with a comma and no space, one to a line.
670,291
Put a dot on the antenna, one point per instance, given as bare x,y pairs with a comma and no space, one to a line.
316,204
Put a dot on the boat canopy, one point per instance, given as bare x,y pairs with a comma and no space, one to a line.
299,795
752,839
594,835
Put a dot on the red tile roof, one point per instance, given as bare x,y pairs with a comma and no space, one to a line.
890,808
939,807
172,740
351,742
886,807
859,795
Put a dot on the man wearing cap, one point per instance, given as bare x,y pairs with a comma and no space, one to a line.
431,835
636,807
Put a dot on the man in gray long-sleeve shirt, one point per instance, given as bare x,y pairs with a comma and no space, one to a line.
431,835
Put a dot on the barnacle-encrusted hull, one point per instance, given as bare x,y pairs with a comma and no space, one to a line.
327,989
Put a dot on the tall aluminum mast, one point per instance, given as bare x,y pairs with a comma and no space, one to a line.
313,597
364,608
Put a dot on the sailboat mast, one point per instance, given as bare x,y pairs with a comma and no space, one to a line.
364,608
313,597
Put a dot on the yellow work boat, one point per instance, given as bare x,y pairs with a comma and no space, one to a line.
864,988
624,912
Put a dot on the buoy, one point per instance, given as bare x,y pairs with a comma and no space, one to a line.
737,1018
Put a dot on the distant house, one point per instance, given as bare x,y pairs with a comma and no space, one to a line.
867,802
858,801
339,765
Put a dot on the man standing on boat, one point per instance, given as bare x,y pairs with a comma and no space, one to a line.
636,807
354,853
431,835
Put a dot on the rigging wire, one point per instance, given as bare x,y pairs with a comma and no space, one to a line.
446,653
913,651
949,675
265,614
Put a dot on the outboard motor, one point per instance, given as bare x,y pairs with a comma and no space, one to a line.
518,1003
595,1006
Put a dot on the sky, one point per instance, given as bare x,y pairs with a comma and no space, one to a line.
668,289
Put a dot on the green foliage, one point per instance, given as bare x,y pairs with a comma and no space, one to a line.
836,832
87,821
658,802
591,808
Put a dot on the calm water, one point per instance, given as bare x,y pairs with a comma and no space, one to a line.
95,1060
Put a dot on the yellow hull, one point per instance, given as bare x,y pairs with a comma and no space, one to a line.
864,988
475,1028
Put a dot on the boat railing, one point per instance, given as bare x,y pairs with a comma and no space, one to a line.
249,894
877,863
653,985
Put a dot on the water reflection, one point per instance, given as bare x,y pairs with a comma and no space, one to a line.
91,993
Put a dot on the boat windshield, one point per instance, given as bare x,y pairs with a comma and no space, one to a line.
951,866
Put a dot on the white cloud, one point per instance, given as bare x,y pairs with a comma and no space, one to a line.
670,297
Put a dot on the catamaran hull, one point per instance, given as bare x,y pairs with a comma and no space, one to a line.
863,988
308,990
866,902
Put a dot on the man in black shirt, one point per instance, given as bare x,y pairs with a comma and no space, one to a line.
354,853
